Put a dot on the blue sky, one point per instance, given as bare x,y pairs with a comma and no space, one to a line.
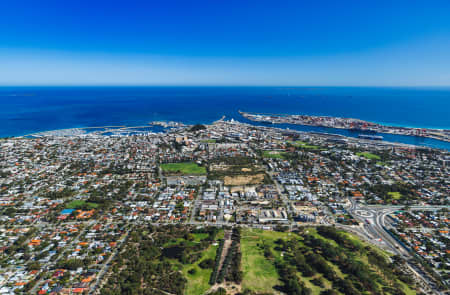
214,42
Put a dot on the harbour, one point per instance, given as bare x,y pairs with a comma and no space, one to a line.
351,124
39,109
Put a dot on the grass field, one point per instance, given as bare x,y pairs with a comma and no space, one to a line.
198,283
360,257
356,240
188,168
369,156
259,273
305,145
273,154
199,236
395,195
76,204
209,141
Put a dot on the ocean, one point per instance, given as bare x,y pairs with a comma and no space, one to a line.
26,110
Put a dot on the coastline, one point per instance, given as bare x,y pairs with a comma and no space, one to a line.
351,124
121,130
51,108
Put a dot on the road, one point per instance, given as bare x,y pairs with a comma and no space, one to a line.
373,218
106,265
50,263
195,207
284,198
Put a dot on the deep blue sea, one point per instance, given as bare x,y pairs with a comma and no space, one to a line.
27,110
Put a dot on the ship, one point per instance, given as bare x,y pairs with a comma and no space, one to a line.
356,129
371,137
266,122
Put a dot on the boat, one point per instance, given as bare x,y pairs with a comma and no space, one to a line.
371,137
266,122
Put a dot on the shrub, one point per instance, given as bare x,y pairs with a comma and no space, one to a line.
206,263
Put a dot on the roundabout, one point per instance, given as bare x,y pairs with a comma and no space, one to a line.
364,213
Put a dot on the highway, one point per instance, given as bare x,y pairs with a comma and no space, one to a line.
372,229
373,220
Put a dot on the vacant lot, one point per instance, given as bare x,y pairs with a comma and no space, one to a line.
188,168
244,179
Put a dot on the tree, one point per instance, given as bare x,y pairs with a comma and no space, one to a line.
220,291
206,263
198,127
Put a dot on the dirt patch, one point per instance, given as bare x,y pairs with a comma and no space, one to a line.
244,179
226,247
230,287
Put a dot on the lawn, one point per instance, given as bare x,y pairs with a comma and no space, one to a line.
273,154
76,204
173,242
208,141
315,290
369,156
395,195
260,274
358,241
198,283
363,258
305,145
188,168
199,236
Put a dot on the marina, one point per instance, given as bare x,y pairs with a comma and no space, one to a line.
140,106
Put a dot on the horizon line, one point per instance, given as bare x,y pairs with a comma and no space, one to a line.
223,85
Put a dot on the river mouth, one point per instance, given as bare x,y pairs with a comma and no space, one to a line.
395,138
